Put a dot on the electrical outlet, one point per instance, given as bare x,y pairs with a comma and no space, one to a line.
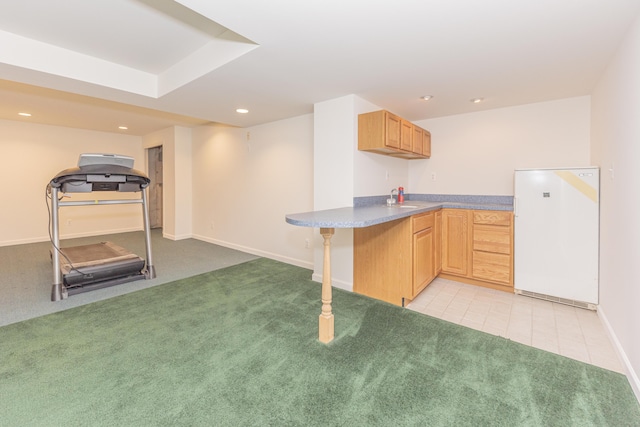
211,225
387,175
433,176
307,244
611,171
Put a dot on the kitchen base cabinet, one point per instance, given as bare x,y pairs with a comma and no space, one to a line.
478,247
382,264
395,261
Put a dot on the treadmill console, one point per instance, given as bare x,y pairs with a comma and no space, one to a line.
105,159
101,172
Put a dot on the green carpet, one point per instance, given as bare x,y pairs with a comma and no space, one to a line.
238,347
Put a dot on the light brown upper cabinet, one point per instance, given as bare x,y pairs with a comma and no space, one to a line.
383,132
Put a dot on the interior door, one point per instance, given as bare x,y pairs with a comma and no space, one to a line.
155,188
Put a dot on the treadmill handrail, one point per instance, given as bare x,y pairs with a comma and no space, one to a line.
100,202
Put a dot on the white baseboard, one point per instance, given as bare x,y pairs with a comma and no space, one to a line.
67,236
257,252
24,241
174,237
632,375
341,284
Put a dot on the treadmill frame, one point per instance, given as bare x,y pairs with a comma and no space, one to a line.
58,290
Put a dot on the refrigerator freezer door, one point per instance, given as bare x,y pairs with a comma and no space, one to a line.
556,233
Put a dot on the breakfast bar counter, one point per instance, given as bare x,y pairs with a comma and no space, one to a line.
369,212
368,215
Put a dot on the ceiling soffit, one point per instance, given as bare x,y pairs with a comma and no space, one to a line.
154,47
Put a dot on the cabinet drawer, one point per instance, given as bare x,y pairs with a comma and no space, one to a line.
491,238
492,267
492,217
422,221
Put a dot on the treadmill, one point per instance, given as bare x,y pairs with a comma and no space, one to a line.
89,267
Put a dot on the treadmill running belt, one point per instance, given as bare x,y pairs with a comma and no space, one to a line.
98,262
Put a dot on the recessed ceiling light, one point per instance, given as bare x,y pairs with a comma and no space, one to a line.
123,128
242,111
426,97
477,100
25,114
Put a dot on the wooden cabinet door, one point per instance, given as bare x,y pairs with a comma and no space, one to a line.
437,247
394,130
421,142
455,241
426,144
406,137
418,137
423,260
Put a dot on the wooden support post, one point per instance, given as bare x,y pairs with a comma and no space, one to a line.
325,329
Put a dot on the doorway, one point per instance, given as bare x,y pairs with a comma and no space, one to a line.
155,187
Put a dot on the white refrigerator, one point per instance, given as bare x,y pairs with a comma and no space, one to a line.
556,234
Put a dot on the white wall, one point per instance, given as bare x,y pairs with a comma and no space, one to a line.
183,176
476,153
32,155
177,191
334,130
246,180
333,135
616,145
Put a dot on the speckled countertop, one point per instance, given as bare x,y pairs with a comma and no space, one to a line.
373,210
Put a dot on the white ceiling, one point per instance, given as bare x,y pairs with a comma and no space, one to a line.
149,64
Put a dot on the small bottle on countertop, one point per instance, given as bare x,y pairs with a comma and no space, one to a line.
400,194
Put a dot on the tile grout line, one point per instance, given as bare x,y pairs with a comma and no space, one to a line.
550,311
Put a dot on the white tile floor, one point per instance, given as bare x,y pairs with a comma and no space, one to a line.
569,331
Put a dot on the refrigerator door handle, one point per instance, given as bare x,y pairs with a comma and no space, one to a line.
515,206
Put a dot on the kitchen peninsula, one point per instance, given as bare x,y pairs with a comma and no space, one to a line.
400,249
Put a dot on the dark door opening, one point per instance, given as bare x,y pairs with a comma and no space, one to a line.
155,188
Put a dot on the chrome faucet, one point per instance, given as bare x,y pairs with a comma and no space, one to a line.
394,197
